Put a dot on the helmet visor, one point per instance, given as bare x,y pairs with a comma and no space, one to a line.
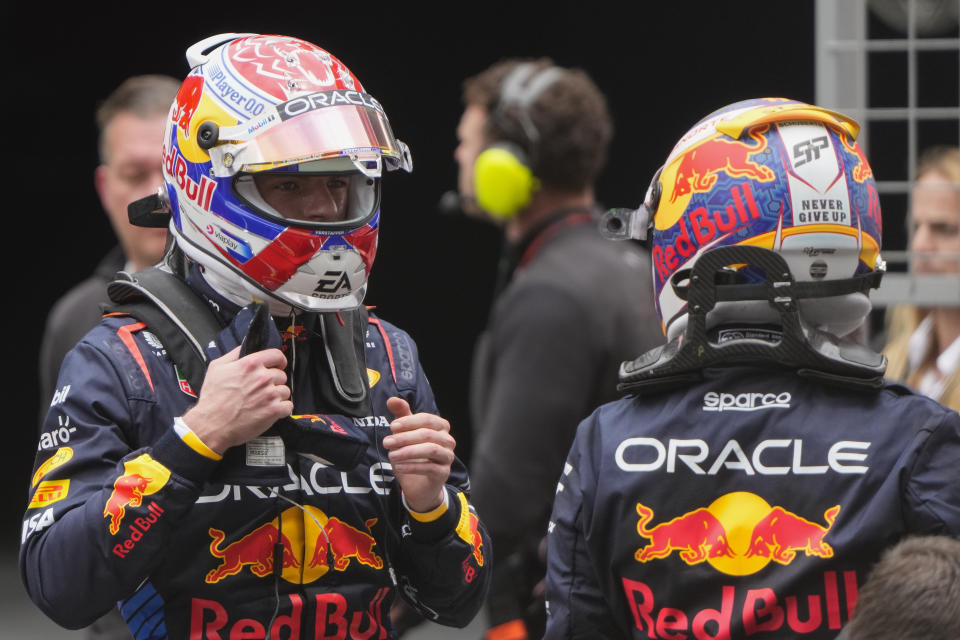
298,132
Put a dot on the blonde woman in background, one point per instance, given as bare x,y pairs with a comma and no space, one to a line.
924,343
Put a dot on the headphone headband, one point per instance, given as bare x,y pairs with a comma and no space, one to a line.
521,88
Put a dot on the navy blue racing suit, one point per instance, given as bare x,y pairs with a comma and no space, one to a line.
125,507
753,503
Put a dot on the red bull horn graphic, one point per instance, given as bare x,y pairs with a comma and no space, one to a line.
696,535
781,534
312,542
468,528
188,98
697,170
254,550
141,477
862,171
345,543
738,534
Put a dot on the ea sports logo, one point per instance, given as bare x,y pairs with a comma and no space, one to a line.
718,401
332,282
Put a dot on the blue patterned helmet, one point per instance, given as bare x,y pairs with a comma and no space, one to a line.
774,173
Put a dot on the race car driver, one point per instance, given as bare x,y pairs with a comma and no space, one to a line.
759,465
304,479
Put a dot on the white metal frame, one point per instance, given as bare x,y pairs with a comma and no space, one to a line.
842,76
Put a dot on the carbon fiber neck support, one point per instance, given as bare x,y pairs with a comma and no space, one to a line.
811,352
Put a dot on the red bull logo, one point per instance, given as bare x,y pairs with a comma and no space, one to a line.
254,550
324,420
328,542
862,171
334,619
468,528
738,534
141,477
697,171
343,543
696,535
136,530
187,100
745,612
781,534
477,539
176,167
293,332
701,227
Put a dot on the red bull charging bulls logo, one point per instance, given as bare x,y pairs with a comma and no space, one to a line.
738,534
469,529
312,542
343,543
697,171
141,477
254,550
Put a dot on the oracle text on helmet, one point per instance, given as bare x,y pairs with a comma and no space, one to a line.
321,99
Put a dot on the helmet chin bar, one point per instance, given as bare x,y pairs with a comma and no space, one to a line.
810,351
241,289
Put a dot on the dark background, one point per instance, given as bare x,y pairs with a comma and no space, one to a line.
662,65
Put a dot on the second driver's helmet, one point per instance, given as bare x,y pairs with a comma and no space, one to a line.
267,109
773,173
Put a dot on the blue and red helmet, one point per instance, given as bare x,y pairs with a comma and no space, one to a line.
263,104
774,173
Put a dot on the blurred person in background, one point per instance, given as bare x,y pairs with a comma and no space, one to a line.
569,306
130,123
923,347
913,593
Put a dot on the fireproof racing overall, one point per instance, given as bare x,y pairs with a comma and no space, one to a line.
752,504
124,508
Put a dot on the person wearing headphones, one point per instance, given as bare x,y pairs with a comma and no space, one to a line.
569,306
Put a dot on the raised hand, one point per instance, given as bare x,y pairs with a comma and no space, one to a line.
421,452
240,398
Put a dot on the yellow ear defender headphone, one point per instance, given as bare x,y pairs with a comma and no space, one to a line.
503,180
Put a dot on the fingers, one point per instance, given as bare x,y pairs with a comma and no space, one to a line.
398,407
270,358
429,452
422,428
404,420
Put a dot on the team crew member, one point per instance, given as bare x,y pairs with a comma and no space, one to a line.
303,479
759,465
569,307
131,121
